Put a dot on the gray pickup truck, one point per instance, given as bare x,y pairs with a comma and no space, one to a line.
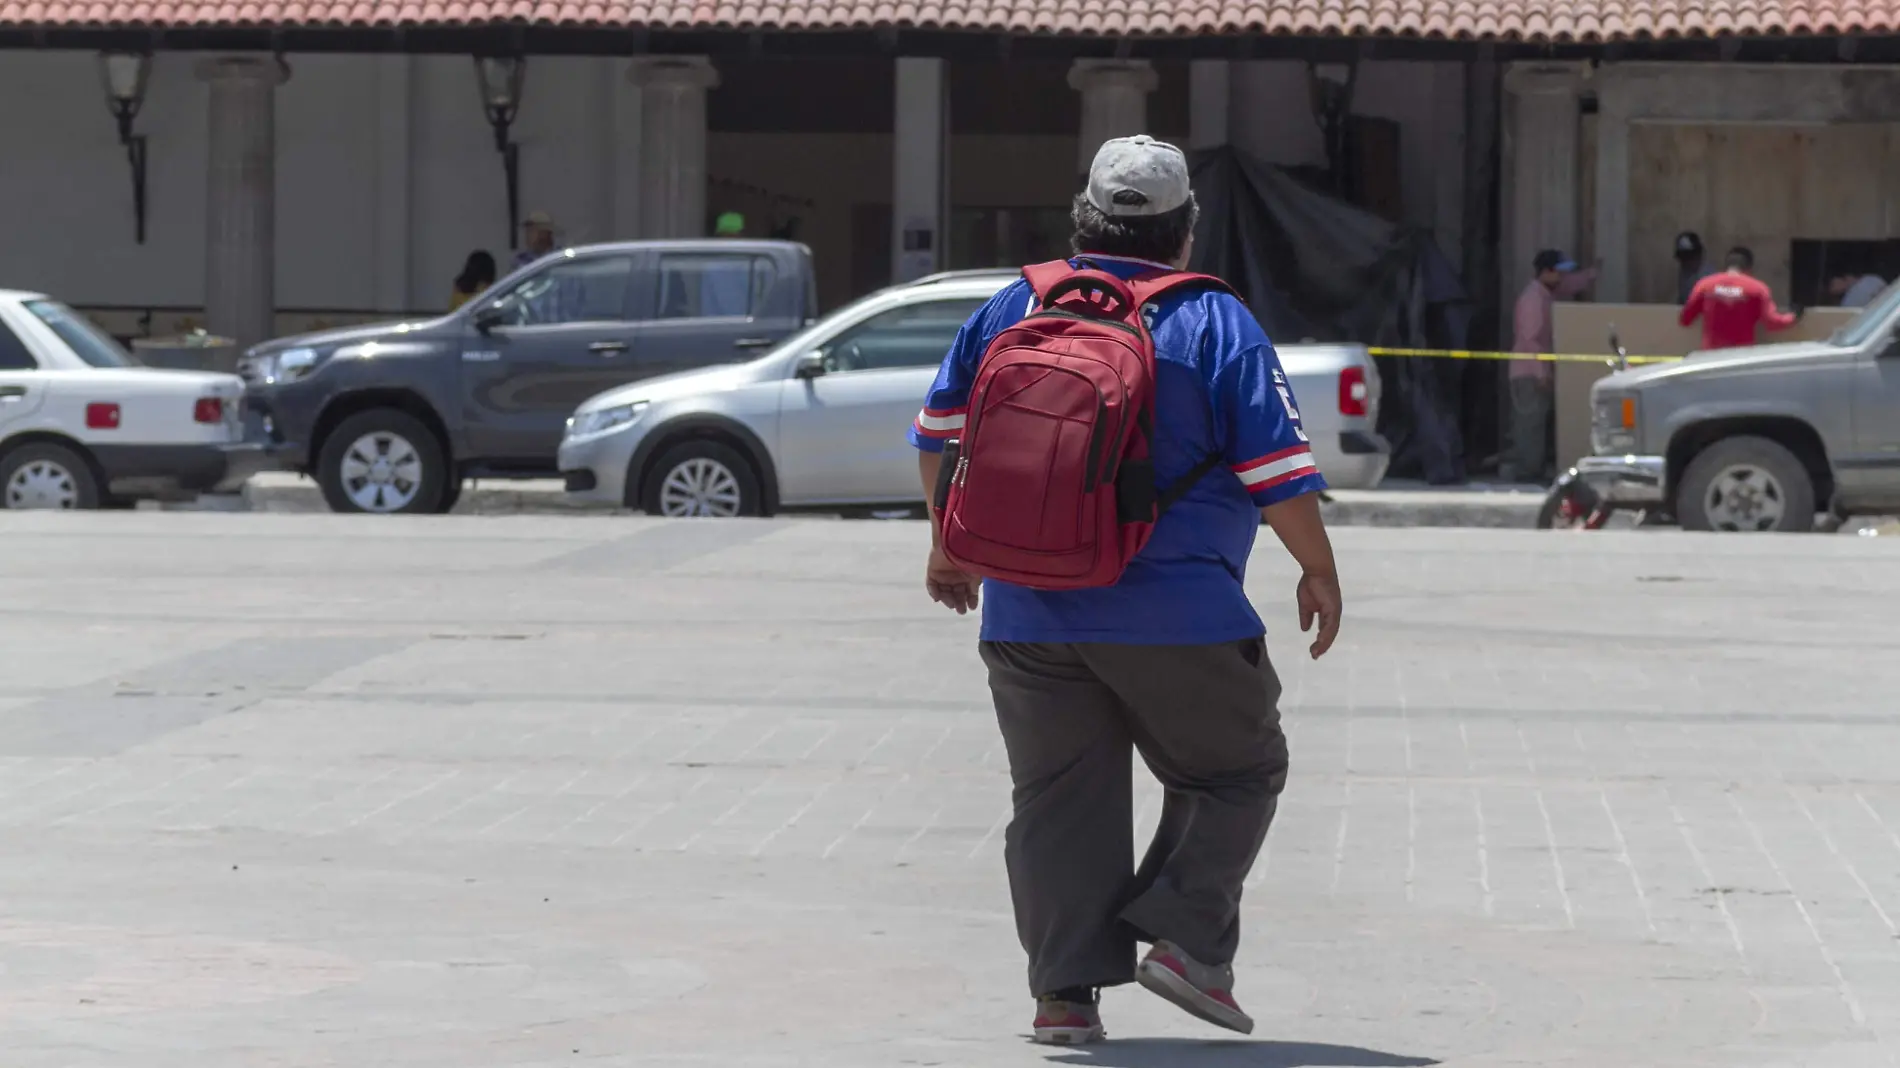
1761,438
393,417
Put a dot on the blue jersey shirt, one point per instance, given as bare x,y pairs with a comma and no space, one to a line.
1219,389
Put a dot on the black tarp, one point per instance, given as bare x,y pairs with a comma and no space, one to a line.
1314,267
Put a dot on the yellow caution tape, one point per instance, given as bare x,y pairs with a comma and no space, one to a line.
1541,357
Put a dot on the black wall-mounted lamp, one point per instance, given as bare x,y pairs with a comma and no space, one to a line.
125,76
499,78
1330,87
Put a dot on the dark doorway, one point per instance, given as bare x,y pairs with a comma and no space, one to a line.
1815,262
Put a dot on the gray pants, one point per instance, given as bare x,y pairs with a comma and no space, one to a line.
1530,427
1206,720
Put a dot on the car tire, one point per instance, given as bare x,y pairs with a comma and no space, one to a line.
383,462
45,475
1746,484
702,478
451,495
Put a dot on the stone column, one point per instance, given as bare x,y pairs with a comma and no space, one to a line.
919,158
1542,124
1114,101
241,196
673,89
1210,92
1617,101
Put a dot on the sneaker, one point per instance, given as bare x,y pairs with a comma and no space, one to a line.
1062,1022
1201,989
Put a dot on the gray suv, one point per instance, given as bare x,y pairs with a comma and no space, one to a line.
1760,438
393,417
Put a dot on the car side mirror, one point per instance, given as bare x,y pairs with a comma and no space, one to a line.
490,315
810,365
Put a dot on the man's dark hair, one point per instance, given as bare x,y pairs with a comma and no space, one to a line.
1143,237
1739,258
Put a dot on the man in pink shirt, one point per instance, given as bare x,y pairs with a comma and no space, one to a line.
1555,278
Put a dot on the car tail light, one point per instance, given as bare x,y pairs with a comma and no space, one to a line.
102,417
1353,391
208,410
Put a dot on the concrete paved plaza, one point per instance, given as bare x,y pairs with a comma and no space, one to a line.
512,791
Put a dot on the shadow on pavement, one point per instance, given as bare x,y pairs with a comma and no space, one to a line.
1193,1053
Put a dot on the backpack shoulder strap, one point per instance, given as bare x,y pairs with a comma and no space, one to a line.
1173,494
1042,277
1147,287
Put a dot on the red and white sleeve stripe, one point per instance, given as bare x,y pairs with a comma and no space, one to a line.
1276,468
941,422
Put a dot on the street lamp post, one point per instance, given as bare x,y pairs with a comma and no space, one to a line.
499,78
1330,87
125,76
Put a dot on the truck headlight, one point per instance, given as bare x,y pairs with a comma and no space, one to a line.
1614,422
604,420
276,368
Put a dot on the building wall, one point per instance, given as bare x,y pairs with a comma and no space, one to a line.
1762,186
1271,117
387,176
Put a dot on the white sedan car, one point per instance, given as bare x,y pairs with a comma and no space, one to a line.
819,421
83,425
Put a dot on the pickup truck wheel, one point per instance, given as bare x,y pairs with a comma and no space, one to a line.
702,478
45,475
383,461
1746,484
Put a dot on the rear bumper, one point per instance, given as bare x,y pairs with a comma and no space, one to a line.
1357,462
172,471
1625,479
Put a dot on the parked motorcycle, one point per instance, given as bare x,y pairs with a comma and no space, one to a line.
1571,504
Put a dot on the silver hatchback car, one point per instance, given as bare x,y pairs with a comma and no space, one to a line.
819,421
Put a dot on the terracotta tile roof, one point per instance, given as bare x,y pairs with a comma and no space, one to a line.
1528,20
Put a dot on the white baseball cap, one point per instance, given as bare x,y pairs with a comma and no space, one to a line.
1138,176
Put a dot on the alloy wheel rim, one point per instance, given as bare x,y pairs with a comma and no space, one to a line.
700,487
42,484
382,472
1745,498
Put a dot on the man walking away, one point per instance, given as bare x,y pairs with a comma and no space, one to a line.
1690,267
1853,290
1170,659
1731,304
1554,276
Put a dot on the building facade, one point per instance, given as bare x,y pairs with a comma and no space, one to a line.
334,163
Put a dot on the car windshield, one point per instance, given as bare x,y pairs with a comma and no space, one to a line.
1862,326
87,341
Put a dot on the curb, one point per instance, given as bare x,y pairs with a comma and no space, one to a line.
1355,508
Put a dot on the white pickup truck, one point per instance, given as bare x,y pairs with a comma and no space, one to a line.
83,425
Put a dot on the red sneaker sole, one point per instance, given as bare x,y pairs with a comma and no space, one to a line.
1068,1036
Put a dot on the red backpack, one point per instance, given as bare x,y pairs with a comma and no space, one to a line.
1051,485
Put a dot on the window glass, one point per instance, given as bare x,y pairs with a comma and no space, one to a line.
13,354
714,285
570,291
1861,327
916,335
87,341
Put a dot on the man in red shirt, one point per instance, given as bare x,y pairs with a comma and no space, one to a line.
1732,303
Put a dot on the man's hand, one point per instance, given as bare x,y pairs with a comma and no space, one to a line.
1318,595
954,588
